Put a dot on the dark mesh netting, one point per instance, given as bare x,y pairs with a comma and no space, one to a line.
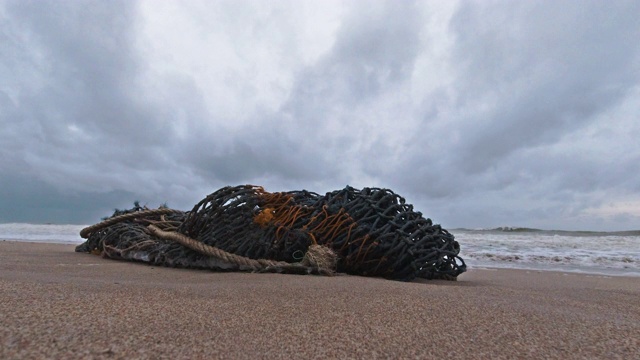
370,232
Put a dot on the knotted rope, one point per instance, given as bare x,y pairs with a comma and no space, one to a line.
317,260
311,263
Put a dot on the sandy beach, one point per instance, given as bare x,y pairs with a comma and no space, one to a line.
59,304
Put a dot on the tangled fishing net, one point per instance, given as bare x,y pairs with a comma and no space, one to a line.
370,232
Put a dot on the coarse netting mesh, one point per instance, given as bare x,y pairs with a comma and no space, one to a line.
370,232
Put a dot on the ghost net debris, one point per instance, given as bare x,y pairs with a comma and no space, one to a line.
369,232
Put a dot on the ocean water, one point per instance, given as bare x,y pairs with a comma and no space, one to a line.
608,253
60,234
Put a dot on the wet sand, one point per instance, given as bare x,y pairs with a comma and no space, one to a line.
59,304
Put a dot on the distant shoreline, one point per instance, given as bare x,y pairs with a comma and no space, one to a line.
507,229
550,232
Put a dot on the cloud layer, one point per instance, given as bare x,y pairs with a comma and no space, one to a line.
482,114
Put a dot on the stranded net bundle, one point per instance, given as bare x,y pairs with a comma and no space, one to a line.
369,232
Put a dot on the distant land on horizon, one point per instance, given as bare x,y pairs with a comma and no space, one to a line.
509,229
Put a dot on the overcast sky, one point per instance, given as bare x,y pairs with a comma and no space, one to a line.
481,114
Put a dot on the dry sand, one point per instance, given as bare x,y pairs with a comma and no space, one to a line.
59,304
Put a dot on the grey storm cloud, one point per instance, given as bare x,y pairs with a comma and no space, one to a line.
81,104
375,49
548,70
482,114
527,76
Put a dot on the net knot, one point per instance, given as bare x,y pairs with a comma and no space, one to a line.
320,257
